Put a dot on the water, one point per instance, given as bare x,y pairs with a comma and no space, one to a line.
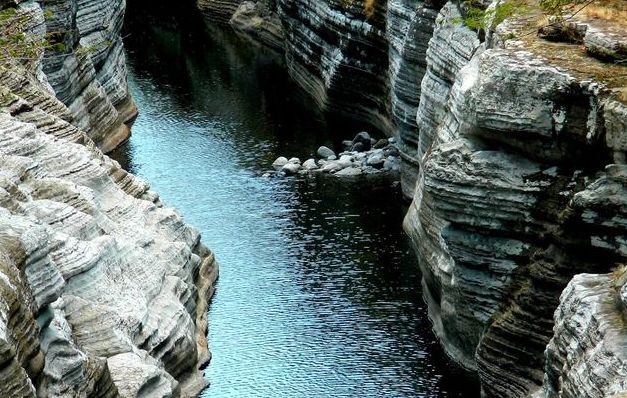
319,292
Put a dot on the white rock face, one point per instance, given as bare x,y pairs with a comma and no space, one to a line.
103,289
89,77
589,323
521,187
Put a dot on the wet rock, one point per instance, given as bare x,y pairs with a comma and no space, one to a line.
364,139
325,152
310,164
382,143
392,164
335,166
291,168
279,162
294,161
392,151
376,160
349,171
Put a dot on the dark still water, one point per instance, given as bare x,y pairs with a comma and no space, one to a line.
319,293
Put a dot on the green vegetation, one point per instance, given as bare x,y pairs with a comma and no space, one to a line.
478,18
17,43
554,7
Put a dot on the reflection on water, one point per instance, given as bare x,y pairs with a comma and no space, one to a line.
319,295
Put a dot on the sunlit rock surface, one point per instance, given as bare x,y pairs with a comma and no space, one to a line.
521,186
588,354
104,289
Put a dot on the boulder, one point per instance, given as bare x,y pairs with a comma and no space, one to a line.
376,160
349,171
325,152
392,163
364,139
279,163
310,164
290,169
382,143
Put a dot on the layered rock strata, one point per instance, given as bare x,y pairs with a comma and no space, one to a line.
514,154
360,59
255,20
88,72
521,187
103,289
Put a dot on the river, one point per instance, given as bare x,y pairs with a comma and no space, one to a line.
319,292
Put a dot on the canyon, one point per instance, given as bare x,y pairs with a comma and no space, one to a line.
513,150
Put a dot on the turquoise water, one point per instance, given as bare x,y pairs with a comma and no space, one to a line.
319,293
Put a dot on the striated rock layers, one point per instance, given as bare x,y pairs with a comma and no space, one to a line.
256,20
361,59
103,289
88,73
522,185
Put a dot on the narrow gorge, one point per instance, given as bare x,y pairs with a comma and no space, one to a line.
509,280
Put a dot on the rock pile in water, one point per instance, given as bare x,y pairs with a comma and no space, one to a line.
363,155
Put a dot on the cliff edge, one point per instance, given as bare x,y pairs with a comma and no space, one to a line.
103,289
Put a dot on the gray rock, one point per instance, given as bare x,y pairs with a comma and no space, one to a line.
325,152
332,157
335,166
291,168
587,337
310,164
391,151
89,244
392,164
294,161
349,171
382,143
376,160
255,21
279,163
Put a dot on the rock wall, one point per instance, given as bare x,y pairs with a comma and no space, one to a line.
255,20
521,187
360,59
590,322
88,73
103,289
